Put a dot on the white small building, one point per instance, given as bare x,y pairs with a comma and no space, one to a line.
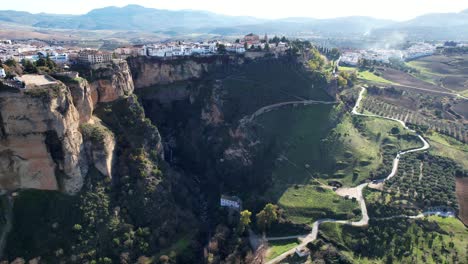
59,58
2,73
236,48
231,202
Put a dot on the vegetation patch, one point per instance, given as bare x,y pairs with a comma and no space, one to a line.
308,203
449,147
432,240
95,133
425,181
276,248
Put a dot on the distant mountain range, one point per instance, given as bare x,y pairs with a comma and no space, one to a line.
138,18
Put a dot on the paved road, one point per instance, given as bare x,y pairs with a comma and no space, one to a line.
345,191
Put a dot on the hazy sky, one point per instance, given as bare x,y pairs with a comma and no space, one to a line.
391,9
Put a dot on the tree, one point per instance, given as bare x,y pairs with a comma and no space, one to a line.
267,47
29,67
316,60
334,54
10,63
342,82
395,130
222,49
267,216
244,220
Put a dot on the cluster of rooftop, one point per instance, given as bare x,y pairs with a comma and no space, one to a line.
385,55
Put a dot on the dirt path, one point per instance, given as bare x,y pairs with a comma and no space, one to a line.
356,192
268,108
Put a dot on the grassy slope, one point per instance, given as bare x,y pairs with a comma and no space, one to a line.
295,131
306,204
276,248
360,153
352,149
448,147
296,134
367,75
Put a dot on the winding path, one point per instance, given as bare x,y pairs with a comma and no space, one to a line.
268,108
355,192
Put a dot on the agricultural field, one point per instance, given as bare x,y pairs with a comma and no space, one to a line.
450,72
429,240
424,181
456,130
276,248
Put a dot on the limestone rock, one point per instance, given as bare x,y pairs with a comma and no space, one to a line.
40,140
111,82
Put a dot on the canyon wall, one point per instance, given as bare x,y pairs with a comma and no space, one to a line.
41,145
147,71
41,142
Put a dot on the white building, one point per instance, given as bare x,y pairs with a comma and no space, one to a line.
236,48
231,202
59,58
2,73
419,50
94,56
350,58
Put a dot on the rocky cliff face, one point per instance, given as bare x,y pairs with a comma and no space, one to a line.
110,82
40,144
153,71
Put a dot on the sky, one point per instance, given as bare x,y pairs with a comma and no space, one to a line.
388,9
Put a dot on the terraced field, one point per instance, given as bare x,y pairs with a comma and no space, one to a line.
457,130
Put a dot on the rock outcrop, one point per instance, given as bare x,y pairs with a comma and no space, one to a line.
99,144
149,71
110,82
82,98
41,146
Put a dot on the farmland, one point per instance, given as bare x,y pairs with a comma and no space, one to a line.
450,72
379,107
424,181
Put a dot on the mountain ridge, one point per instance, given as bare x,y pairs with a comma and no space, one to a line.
140,18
